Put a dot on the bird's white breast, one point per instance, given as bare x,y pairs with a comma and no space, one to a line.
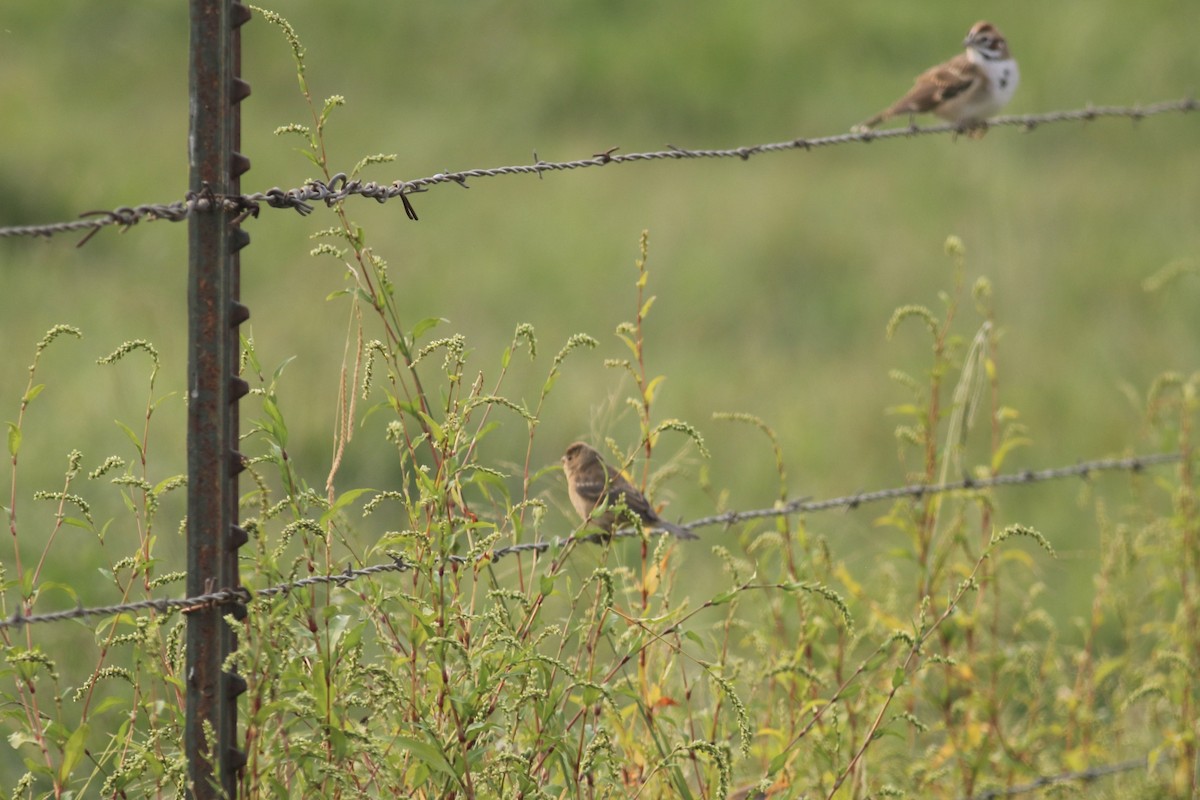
1003,77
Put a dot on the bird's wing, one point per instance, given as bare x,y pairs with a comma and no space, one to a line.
635,501
617,490
591,491
938,84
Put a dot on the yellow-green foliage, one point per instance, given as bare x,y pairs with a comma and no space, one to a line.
789,327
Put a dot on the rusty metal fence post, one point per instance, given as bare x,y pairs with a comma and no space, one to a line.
214,313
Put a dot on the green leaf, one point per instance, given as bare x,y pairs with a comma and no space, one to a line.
424,325
340,742
1005,448
723,598
652,387
428,755
272,410
32,393
345,499
66,589
429,488
646,306
161,486
154,406
72,753
14,439
412,408
777,763
906,409
338,623
435,430
485,480
876,659
898,678
133,437
279,370
486,429
320,688
352,637
383,406
112,701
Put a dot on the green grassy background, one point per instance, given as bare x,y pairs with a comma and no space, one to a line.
775,277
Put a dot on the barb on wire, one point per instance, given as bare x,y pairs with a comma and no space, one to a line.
1089,774
340,187
244,595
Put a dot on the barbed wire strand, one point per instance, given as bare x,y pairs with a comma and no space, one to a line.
1045,781
804,506
341,187
244,595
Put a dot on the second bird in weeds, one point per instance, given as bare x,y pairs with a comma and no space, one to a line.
592,483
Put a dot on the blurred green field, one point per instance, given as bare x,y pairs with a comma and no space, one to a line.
775,277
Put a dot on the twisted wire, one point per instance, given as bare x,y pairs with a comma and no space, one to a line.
804,505
243,595
1044,781
340,187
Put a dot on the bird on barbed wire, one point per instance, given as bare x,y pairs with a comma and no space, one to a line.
966,90
592,484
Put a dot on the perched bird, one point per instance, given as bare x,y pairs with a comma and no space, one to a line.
967,89
591,483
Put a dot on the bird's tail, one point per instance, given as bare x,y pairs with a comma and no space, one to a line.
678,531
865,126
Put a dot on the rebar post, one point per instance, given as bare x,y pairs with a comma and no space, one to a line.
214,313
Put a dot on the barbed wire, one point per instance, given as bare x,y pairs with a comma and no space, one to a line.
1044,781
341,187
804,505
244,595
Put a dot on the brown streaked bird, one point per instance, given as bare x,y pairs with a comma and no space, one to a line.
591,483
967,89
